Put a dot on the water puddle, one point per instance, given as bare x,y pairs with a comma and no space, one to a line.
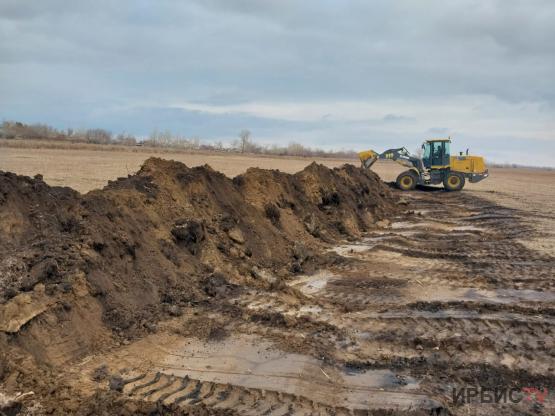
309,310
313,283
499,296
451,314
401,229
507,296
418,291
422,211
467,228
404,224
422,226
368,243
350,250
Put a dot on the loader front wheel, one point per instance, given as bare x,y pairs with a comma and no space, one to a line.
453,181
407,180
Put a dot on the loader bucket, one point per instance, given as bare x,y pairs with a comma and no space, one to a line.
368,158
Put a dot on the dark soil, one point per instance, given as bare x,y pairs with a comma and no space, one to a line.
114,262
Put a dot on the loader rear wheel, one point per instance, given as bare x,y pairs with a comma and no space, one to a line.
407,180
453,181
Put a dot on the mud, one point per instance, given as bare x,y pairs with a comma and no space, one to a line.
81,273
149,238
180,291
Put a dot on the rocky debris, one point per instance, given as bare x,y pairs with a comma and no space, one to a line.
236,235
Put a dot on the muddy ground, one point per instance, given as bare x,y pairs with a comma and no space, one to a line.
181,291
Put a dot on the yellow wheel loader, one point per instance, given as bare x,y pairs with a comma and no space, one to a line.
434,167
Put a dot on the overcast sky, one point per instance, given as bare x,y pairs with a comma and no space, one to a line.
326,73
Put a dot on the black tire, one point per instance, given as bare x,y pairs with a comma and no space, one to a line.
407,180
453,181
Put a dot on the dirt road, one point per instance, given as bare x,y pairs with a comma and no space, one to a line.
325,293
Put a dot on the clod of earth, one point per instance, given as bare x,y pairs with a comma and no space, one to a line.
236,235
190,233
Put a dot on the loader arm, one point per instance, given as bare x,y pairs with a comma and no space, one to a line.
400,155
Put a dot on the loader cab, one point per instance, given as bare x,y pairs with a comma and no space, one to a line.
436,153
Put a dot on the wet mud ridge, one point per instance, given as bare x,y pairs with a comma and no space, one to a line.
180,291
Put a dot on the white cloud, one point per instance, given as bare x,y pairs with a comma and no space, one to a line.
474,115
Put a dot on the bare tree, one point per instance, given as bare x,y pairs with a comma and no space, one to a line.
245,140
126,139
297,149
98,136
243,143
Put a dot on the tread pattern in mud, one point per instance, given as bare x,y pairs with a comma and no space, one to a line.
460,244
185,391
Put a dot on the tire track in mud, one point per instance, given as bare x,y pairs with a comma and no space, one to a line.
185,392
380,310
492,251
468,243
506,340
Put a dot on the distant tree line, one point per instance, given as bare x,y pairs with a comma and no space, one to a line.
164,139
17,130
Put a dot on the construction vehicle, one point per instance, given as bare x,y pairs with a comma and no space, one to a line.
434,167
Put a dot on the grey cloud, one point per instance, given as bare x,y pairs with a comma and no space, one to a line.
396,118
442,131
71,61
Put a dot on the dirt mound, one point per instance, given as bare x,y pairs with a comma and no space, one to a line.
86,269
317,202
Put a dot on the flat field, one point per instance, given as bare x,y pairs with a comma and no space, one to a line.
91,167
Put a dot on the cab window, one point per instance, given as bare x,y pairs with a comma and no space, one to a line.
440,154
426,151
